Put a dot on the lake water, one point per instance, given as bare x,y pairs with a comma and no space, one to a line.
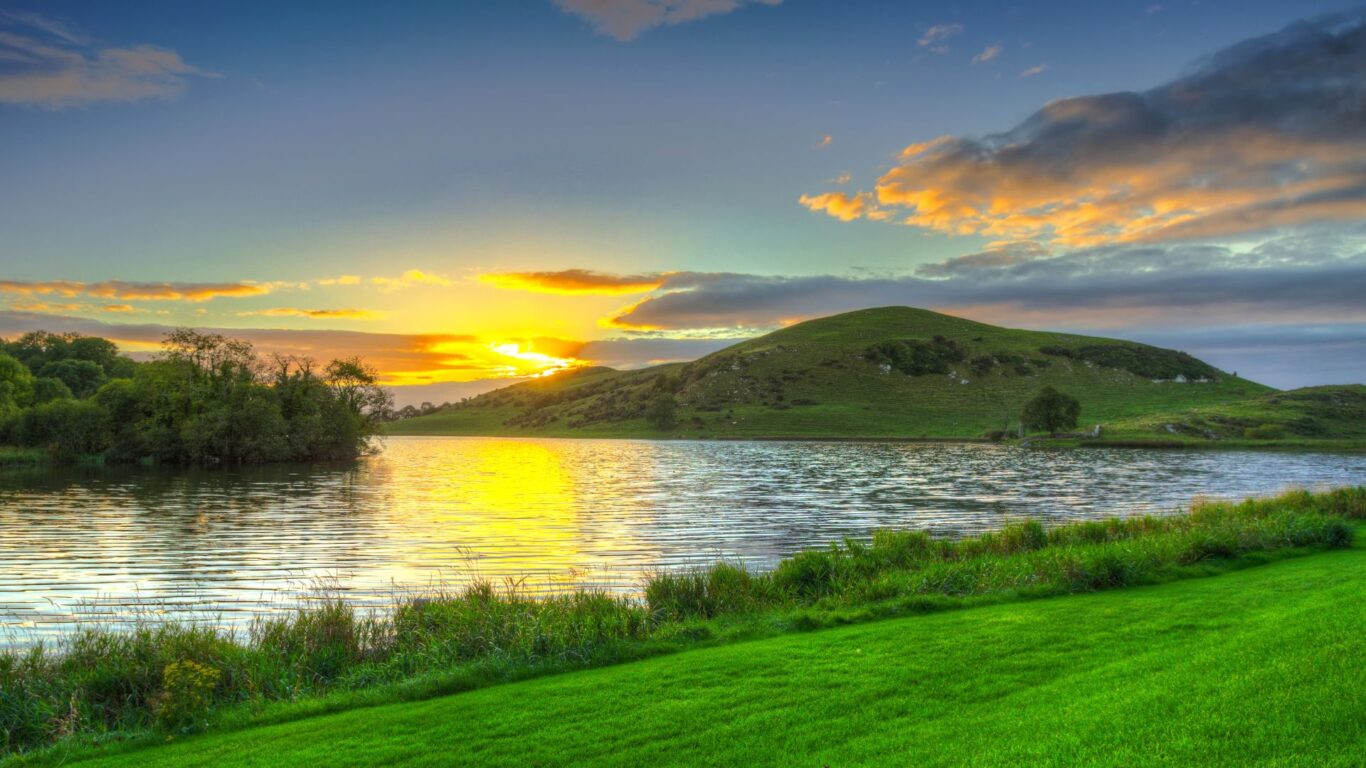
106,545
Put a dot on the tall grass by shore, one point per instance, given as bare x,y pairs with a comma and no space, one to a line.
170,677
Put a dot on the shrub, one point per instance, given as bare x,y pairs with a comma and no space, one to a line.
186,693
66,428
915,357
1264,432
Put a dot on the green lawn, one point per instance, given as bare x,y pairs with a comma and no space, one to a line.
1262,666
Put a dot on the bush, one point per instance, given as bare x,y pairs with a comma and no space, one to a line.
1264,432
66,428
187,692
915,357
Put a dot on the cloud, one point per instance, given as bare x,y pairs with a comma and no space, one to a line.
935,37
1317,277
1032,71
119,308
135,291
825,141
843,178
838,204
43,306
412,277
341,280
400,358
576,281
314,314
997,255
625,19
48,64
988,53
1269,133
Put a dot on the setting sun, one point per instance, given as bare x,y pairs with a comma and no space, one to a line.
533,363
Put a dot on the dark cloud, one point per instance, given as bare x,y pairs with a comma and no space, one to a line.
1107,287
1269,133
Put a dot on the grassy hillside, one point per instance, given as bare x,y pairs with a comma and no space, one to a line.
1312,414
888,372
1257,667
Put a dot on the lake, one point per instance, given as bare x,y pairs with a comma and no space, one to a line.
111,545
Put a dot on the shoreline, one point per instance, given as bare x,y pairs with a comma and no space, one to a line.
1040,441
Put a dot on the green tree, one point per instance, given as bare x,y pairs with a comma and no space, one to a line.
1051,411
82,377
66,428
16,385
47,389
662,412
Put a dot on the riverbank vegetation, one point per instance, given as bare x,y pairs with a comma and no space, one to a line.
206,399
109,684
1257,667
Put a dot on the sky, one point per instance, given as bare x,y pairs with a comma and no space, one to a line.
467,192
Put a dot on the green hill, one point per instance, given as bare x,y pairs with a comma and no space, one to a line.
1311,414
887,372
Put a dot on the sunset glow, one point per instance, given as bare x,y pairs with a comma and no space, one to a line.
665,177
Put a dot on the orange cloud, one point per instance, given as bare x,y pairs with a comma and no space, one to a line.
1265,134
838,204
135,291
576,281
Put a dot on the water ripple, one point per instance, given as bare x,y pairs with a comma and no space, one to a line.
111,546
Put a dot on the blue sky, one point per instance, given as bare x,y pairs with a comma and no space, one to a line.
316,151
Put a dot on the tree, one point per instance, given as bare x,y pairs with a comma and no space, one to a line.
45,390
16,384
1051,411
82,377
66,428
662,413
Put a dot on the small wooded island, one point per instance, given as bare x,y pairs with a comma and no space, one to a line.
206,399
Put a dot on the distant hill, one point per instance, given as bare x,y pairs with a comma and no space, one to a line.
887,372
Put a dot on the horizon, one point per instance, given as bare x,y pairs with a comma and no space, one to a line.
471,194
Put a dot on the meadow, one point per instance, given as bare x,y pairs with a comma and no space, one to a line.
108,688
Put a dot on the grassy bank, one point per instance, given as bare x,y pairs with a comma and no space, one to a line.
1323,418
12,456
1261,667
169,679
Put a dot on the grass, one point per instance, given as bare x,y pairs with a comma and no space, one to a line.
1258,667
1308,417
105,686
11,456
813,380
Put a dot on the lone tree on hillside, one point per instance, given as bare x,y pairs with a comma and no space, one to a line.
662,412
1051,411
